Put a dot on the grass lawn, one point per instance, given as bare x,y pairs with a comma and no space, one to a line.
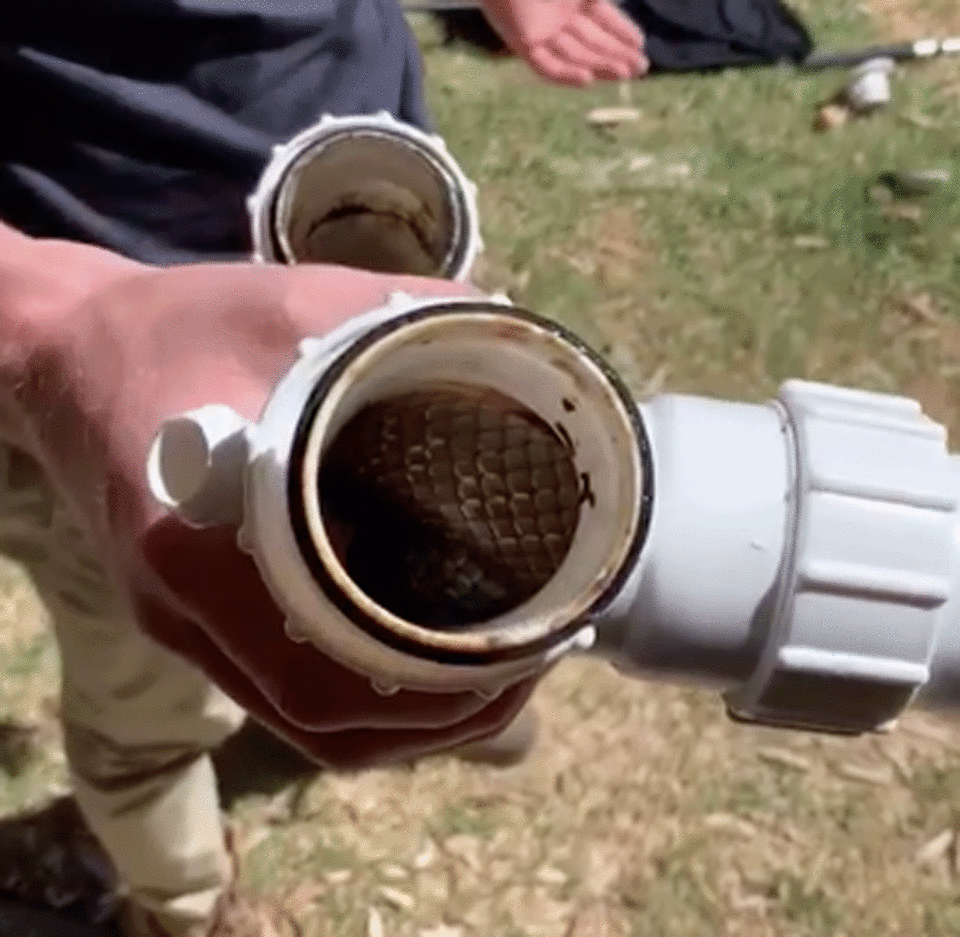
716,245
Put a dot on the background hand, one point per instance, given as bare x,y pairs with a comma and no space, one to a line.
572,42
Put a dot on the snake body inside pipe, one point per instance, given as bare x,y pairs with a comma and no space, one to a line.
454,504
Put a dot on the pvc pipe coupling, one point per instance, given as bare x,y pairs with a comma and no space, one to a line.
502,475
366,191
449,495
869,84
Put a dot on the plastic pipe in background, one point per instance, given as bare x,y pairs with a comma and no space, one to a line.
369,191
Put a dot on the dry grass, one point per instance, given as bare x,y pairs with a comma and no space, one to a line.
914,19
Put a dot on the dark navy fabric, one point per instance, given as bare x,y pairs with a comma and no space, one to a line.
700,35
143,125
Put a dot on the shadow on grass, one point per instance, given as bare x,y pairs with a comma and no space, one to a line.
255,761
46,857
20,744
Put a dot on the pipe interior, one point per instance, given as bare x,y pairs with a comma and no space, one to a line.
452,503
371,201
569,425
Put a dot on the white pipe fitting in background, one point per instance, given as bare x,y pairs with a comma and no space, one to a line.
367,191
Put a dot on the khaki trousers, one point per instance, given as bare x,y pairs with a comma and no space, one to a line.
138,721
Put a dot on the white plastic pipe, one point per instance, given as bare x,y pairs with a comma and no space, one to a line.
714,549
380,182
802,556
411,344
869,85
197,464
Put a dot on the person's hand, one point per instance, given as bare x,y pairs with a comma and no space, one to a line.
571,42
112,349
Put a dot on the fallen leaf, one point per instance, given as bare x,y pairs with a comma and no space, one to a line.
921,309
550,875
601,869
374,923
595,920
656,382
426,857
899,761
869,775
918,119
931,732
396,898
730,823
442,930
811,242
910,213
756,903
464,847
935,849
641,161
784,758
609,116
681,170
307,893
250,839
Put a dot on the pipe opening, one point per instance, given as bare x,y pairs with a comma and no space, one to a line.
368,199
451,505
535,414
178,462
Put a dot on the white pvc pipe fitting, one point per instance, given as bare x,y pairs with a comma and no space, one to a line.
802,555
408,345
715,545
869,86
346,164
196,463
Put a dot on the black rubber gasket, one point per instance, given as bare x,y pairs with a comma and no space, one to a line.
354,613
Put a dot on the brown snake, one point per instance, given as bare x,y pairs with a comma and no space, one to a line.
458,503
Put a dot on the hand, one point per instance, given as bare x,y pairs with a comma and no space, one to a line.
125,347
571,42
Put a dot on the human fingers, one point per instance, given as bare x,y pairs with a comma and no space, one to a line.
356,749
600,65
348,748
555,67
612,20
321,297
366,748
626,58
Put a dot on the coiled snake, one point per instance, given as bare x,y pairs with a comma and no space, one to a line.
458,503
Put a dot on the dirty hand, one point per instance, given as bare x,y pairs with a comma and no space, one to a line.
95,352
571,42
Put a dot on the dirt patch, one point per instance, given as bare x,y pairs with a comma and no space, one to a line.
913,19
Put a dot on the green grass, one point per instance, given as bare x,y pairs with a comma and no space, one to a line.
718,236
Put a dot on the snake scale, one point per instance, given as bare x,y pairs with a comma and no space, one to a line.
457,503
